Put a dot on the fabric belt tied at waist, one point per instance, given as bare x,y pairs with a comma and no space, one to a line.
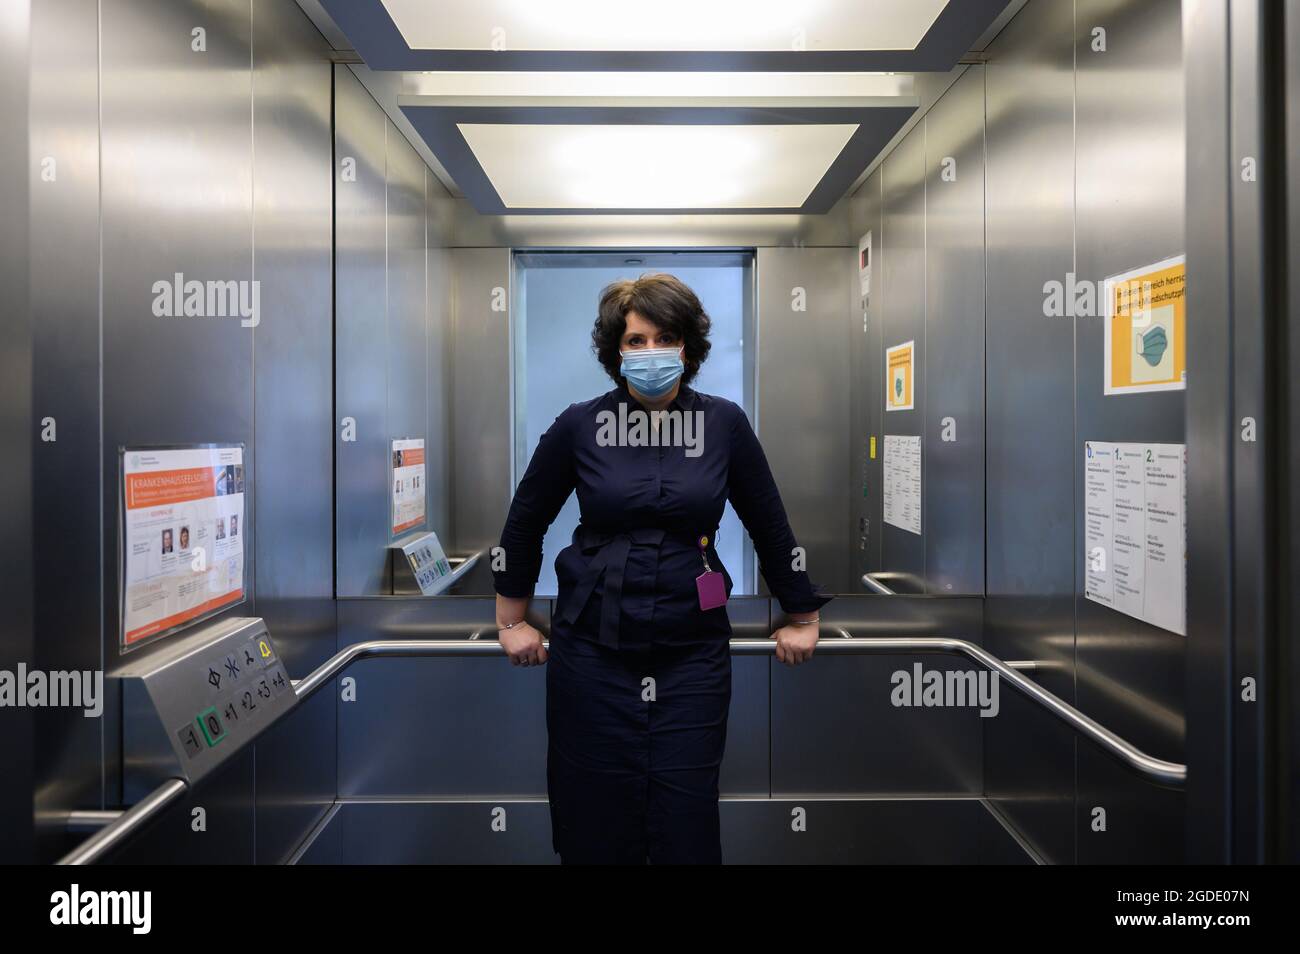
610,561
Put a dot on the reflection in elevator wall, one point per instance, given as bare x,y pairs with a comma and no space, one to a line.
1036,129
392,328
556,299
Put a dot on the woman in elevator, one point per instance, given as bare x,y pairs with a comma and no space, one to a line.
638,679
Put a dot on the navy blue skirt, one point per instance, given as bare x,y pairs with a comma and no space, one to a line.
634,752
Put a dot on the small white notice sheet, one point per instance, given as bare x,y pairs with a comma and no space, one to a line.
1135,530
902,489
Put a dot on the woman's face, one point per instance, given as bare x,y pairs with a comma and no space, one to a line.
641,333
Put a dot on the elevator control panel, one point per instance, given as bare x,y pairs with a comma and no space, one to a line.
196,702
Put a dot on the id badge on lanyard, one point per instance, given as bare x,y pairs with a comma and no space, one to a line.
711,585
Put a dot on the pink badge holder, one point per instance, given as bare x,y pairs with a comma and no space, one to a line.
711,585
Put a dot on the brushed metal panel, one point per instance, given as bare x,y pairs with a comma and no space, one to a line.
481,380
176,151
16,639
297,776
408,372
953,372
903,288
445,832
1258,276
325,844
1030,446
1288,672
884,831
176,197
747,757
293,397
449,726
865,394
64,248
226,800
803,383
176,178
1211,435
438,281
835,729
754,831
1128,212
362,466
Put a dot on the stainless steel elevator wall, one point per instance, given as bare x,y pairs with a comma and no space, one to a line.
392,299
66,350
213,162
802,358
924,206
482,398
953,442
16,640
176,196
866,389
295,768
1129,211
1084,156
1029,610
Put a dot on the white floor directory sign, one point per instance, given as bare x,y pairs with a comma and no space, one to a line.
183,535
428,563
408,485
902,490
1135,530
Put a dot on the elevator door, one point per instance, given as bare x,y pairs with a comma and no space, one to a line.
556,297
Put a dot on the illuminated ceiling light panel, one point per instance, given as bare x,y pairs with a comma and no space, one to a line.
664,25
693,85
553,166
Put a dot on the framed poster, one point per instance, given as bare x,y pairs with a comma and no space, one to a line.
181,537
900,368
407,483
1146,319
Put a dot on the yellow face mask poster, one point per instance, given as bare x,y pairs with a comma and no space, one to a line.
899,375
1146,344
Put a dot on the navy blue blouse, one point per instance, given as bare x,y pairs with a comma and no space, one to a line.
628,578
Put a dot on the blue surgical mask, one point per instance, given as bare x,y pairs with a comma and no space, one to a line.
652,371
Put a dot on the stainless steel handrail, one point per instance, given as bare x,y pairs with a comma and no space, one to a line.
1171,774
871,583
134,818
1168,774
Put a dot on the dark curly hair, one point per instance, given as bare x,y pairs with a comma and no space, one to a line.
666,302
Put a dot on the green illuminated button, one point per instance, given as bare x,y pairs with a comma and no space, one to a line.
210,723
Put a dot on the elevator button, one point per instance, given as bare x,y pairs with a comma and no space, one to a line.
189,740
265,651
262,688
210,723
